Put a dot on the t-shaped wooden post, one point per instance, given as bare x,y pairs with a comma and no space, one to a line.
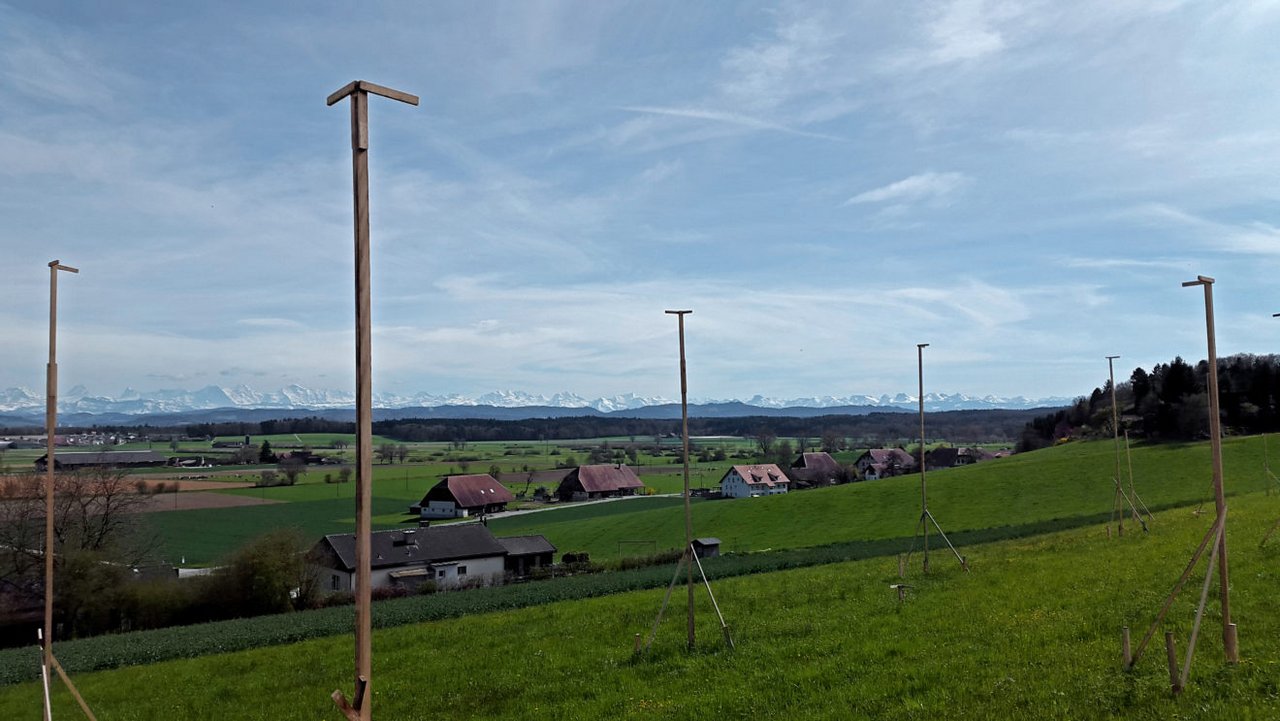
1229,640
688,518
51,431
361,708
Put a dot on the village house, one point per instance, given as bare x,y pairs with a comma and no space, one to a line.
462,496
447,556
603,481
816,469
884,462
951,457
764,479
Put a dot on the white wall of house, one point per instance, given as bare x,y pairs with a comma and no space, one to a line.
443,509
489,569
734,486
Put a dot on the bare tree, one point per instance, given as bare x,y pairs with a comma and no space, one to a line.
764,440
386,452
402,452
95,511
292,467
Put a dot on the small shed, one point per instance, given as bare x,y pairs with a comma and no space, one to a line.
525,553
706,547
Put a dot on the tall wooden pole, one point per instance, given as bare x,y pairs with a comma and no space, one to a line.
361,707
1115,432
688,517
924,492
51,430
1229,640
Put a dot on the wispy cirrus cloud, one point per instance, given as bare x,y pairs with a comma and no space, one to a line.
720,116
1251,238
922,186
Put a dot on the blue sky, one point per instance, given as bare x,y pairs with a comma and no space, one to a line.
1024,185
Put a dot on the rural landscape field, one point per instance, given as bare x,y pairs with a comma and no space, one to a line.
1032,631
640,359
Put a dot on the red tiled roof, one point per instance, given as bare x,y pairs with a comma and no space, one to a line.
607,478
766,473
476,490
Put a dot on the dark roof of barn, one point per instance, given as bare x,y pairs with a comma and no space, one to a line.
451,542
818,466
103,458
891,456
526,545
472,491
607,477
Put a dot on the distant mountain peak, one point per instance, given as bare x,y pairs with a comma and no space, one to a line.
296,396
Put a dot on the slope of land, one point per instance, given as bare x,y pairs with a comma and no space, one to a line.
1032,633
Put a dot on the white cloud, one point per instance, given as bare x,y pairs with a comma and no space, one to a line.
1251,238
725,117
923,186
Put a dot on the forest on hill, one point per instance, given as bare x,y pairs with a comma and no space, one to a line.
1171,403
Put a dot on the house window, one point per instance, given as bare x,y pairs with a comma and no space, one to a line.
440,573
462,570
335,583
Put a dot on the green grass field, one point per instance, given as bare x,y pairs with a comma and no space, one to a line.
1032,633
1067,481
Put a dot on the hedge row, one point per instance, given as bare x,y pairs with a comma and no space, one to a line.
145,647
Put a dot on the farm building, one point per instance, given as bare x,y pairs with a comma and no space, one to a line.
950,457
102,459
816,469
750,481
446,555
462,496
706,547
884,462
603,481
525,553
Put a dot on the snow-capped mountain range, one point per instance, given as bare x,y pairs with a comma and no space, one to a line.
133,402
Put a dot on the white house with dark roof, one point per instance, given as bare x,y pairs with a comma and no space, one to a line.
764,479
447,555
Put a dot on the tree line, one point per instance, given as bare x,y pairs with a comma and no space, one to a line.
1171,403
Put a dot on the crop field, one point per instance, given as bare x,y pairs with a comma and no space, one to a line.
1032,633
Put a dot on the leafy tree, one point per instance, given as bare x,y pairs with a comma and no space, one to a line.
264,453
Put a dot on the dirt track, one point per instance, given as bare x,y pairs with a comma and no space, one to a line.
199,499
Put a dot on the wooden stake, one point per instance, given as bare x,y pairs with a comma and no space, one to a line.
1125,651
1115,432
359,92
1171,652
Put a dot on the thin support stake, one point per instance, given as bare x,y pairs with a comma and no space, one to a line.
665,600
1168,601
72,688
1204,597
724,627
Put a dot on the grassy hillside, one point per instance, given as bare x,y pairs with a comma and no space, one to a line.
1032,633
1063,482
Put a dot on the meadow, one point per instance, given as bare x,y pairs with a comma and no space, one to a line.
1033,632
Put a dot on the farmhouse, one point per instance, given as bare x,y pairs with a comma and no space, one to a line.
462,496
603,481
102,459
951,457
446,555
750,481
884,462
816,469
